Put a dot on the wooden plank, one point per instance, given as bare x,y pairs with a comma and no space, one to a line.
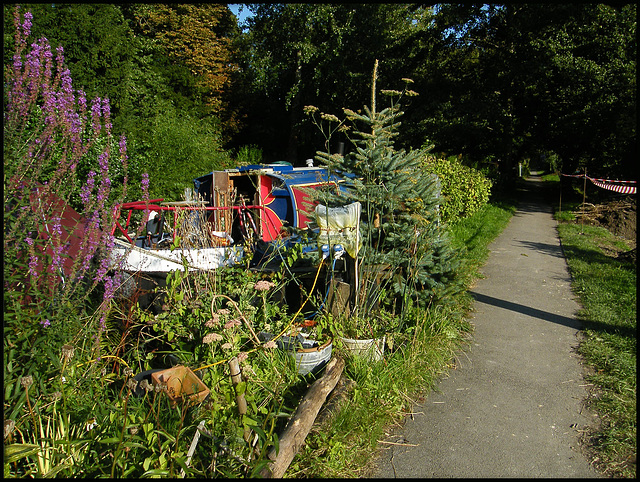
300,424
338,299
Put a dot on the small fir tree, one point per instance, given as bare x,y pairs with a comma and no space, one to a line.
400,225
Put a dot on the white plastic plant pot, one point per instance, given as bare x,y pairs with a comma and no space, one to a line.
371,349
310,355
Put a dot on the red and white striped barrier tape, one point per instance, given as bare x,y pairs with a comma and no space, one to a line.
614,187
610,180
608,184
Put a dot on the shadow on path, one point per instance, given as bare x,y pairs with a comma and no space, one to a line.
549,249
527,310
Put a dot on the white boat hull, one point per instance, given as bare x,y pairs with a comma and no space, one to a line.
134,259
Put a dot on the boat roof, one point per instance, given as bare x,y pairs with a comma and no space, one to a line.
291,176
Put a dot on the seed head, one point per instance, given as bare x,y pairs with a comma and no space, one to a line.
9,427
211,337
26,381
67,352
263,285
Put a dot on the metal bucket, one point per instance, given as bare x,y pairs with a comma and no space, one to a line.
311,358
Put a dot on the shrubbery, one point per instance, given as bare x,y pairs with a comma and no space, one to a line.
464,189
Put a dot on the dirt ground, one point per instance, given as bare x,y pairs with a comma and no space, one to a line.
618,216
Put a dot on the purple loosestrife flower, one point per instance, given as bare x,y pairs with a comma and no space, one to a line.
91,240
105,261
94,238
122,145
82,100
47,64
57,226
105,184
56,262
106,113
33,266
66,100
33,69
110,286
17,62
145,184
102,271
87,189
26,26
57,248
67,83
103,162
95,116
59,57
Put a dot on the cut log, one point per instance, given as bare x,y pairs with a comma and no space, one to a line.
335,401
300,424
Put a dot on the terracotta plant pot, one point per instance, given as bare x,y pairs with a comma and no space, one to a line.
182,383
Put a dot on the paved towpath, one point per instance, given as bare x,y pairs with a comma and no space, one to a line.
513,407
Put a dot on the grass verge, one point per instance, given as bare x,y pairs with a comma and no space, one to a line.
606,287
386,391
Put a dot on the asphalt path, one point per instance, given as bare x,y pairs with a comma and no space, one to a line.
514,404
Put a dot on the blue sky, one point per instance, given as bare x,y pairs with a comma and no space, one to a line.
234,7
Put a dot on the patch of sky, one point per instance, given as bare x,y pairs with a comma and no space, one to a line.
241,11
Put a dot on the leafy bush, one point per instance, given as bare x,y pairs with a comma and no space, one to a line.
180,148
464,189
248,155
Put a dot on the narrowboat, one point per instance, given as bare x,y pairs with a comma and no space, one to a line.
226,212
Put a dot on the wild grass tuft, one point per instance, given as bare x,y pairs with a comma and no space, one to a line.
606,286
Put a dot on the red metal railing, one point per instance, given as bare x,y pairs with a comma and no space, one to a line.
152,205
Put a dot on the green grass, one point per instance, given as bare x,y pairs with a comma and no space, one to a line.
386,391
551,178
476,233
606,287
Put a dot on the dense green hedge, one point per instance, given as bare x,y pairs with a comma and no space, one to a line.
464,189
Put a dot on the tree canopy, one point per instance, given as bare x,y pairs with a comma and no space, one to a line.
498,83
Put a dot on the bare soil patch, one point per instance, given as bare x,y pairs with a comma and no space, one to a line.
619,218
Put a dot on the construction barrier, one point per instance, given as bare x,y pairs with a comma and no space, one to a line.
622,187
